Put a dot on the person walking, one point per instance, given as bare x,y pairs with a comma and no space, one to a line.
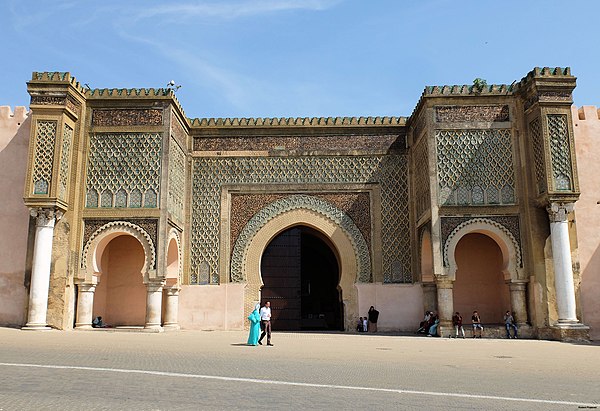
254,318
457,322
509,322
265,322
373,317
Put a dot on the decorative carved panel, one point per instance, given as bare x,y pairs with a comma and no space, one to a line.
535,130
509,222
301,143
176,194
558,135
475,167
64,162
421,172
471,113
356,205
45,138
127,117
124,163
211,173
305,202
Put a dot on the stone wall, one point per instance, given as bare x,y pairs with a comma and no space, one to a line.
14,217
587,212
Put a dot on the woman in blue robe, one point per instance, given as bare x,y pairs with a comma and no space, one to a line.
254,318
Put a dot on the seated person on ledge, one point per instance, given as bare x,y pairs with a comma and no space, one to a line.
98,323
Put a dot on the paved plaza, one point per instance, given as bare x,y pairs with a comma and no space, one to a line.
186,370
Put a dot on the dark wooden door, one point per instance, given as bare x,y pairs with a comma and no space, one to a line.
281,273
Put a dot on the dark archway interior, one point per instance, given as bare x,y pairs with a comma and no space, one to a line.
300,273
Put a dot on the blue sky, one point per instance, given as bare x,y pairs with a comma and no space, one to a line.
269,58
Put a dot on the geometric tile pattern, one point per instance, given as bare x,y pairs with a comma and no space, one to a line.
176,180
124,170
558,135
475,167
421,165
44,156
64,162
211,173
538,154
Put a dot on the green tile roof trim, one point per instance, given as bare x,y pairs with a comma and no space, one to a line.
298,122
493,89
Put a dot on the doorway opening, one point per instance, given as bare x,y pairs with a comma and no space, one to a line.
120,297
480,284
301,276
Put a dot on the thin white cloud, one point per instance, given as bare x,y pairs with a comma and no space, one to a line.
230,10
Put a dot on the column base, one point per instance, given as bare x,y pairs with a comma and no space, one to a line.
565,332
83,326
153,328
171,327
36,327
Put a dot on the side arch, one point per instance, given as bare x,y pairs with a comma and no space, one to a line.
91,261
511,251
174,256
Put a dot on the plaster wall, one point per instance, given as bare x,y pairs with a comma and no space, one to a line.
587,212
14,218
479,283
120,296
212,307
400,306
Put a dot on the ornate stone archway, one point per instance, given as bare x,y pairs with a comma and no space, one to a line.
351,248
92,251
511,251
512,266
91,272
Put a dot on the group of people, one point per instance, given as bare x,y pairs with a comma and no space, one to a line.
368,323
430,323
260,319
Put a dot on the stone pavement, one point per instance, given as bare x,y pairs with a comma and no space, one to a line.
186,370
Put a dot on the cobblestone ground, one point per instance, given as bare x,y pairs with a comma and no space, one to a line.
187,370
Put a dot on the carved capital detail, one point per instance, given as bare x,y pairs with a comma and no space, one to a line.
45,217
559,211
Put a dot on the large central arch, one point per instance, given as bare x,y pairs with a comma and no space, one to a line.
354,264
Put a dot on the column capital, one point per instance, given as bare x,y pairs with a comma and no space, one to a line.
559,211
443,281
86,288
155,286
173,291
517,285
45,217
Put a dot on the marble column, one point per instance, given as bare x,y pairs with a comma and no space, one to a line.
45,219
518,301
445,303
85,305
154,305
563,267
172,309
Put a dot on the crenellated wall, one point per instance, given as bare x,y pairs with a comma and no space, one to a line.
14,216
586,121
